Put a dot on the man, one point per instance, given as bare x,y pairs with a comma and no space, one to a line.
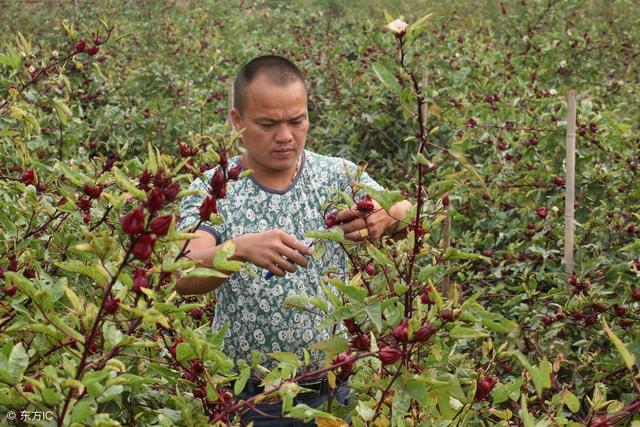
266,216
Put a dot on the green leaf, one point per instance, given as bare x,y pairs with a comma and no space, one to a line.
387,78
334,345
184,351
374,312
221,260
462,332
335,234
286,357
8,226
242,379
205,272
18,362
378,256
627,356
126,184
385,198
417,390
63,111
503,392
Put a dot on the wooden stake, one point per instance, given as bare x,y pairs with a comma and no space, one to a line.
570,164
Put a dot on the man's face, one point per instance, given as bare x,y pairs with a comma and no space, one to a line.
275,123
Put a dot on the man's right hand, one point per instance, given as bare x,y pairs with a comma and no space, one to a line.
273,250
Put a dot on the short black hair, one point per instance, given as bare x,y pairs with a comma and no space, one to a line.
277,69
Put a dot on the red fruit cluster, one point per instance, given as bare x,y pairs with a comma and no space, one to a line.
389,355
365,204
484,388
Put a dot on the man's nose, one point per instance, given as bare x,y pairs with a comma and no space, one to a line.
283,133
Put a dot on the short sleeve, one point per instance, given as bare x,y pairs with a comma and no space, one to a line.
190,212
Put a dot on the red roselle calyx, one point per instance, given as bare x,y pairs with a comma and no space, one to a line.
446,315
93,191
155,200
600,422
401,332
111,305
92,50
216,182
172,347
425,332
345,369
389,355
365,204
330,220
351,326
234,172
542,212
484,387
171,192
80,45
133,222
425,296
361,342
207,208
224,162
28,177
143,248
160,224
140,280
196,313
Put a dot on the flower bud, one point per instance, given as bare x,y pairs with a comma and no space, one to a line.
197,367
196,313
160,224
542,212
347,367
361,342
389,355
144,247
133,222
401,332
398,26
425,296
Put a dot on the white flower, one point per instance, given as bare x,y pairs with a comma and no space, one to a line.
563,64
398,26
553,92
55,53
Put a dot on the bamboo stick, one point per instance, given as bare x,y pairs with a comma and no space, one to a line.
570,165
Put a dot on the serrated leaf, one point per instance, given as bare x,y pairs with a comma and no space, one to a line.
221,260
332,346
387,78
18,362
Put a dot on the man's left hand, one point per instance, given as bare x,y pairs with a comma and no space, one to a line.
358,225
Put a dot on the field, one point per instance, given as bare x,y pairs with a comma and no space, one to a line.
109,110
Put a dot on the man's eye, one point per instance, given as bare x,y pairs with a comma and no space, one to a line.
297,122
267,125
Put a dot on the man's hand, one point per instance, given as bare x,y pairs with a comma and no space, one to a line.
269,249
358,225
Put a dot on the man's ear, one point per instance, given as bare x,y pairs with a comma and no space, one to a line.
236,120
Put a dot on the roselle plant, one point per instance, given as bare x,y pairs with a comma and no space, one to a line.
466,318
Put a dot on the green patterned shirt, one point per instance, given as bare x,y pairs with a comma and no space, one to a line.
253,307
